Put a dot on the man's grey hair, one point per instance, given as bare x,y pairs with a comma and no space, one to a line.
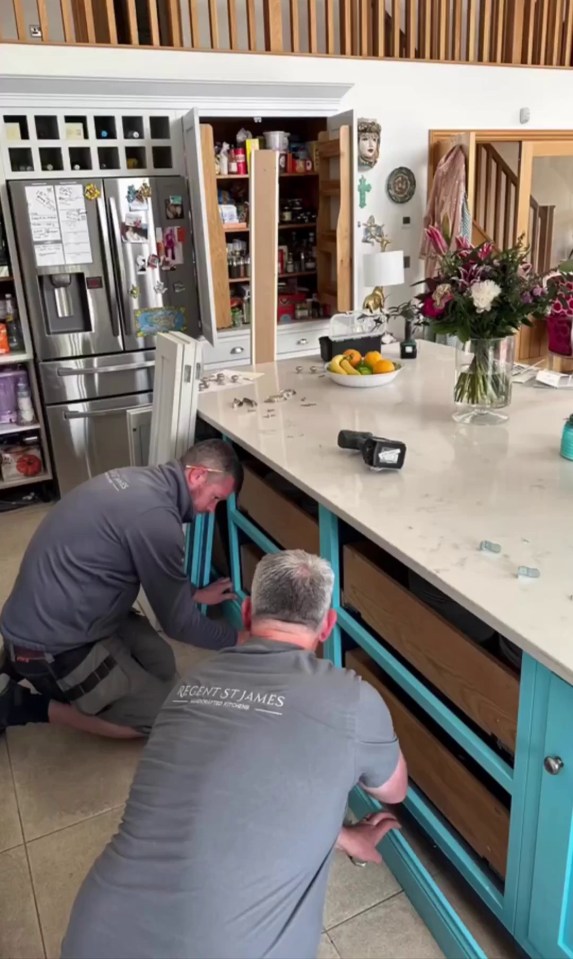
292,587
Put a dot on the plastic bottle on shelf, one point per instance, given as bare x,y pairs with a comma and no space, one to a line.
232,163
24,396
13,330
4,347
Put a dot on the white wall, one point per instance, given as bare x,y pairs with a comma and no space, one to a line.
408,99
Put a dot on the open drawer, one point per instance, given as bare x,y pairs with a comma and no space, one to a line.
281,519
483,687
466,802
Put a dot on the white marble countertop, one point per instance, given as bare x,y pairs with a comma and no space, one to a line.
459,485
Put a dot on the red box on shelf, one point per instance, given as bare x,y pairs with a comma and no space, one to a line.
286,306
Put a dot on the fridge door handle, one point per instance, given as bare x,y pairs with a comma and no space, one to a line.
112,294
126,306
74,415
96,370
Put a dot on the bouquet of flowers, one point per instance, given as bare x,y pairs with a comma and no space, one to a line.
482,295
560,314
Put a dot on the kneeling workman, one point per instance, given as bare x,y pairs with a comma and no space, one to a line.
239,799
68,625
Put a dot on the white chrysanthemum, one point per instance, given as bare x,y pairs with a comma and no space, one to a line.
483,294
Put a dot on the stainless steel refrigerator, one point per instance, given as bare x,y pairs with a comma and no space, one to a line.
107,264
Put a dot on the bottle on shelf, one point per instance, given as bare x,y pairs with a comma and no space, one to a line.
13,328
4,347
290,263
232,162
24,397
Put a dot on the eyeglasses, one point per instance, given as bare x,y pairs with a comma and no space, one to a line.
206,469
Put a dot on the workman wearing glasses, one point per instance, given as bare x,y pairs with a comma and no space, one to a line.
69,627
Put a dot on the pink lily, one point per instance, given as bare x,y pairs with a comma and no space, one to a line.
437,240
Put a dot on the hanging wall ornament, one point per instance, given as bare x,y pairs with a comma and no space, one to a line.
372,232
401,185
368,143
92,192
363,188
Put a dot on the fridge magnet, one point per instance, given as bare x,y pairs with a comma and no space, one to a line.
363,188
153,261
174,208
179,288
134,291
180,234
134,229
160,288
368,143
372,232
144,192
401,185
141,263
167,264
173,245
159,319
92,192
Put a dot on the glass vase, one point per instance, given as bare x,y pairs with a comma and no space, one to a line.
483,379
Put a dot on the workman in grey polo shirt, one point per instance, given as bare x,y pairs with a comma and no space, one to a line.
68,625
239,799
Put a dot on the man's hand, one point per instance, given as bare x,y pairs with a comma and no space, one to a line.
360,840
215,593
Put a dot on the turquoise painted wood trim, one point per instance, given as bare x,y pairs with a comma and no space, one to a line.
330,550
253,532
453,937
188,549
527,777
198,536
234,551
206,557
455,850
455,727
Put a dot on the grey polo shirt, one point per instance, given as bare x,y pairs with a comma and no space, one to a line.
234,812
83,568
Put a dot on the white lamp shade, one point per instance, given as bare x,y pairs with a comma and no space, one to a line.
383,269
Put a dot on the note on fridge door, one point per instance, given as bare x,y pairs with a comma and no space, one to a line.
74,223
42,213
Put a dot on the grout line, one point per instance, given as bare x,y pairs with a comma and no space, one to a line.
363,912
78,822
25,845
332,944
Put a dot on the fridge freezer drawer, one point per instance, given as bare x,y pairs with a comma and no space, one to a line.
64,381
90,438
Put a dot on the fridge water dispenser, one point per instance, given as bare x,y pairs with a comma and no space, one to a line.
66,308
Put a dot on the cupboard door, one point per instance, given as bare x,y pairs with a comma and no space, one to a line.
264,209
551,906
208,233
334,225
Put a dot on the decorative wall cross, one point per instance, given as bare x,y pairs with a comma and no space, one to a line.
363,188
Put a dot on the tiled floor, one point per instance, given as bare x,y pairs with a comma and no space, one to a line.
61,798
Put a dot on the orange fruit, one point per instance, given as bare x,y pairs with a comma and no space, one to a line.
372,358
383,366
353,357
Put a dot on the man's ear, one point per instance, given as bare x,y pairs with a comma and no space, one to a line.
247,612
327,626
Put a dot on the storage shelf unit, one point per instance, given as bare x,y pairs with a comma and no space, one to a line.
48,143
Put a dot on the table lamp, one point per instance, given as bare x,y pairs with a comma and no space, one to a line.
385,268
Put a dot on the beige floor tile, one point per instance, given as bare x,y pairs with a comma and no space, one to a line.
391,930
326,949
490,934
59,863
351,889
19,929
63,776
10,829
16,530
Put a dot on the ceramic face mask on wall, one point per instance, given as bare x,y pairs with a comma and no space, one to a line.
368,143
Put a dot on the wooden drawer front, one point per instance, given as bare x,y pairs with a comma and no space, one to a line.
466,803
282,520
485,689
250,556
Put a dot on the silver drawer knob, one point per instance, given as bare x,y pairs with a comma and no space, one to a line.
238,349
553,765
302,342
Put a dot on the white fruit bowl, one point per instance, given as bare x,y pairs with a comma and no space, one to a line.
364,382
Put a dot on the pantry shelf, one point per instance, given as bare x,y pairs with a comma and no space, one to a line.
287,276
10,358
236,227
25,481
6,429
239,279
6,279
298,226
283,176
232,176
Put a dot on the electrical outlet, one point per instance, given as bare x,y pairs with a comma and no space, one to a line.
406,222
406,262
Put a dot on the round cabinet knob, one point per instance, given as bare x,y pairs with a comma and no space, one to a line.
302,342
238,349
553,765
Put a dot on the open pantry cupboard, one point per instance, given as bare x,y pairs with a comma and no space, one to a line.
273,278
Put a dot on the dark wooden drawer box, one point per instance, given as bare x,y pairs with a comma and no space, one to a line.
277,515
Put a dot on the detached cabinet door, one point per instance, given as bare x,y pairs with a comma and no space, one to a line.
551,906
334,224
208,232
